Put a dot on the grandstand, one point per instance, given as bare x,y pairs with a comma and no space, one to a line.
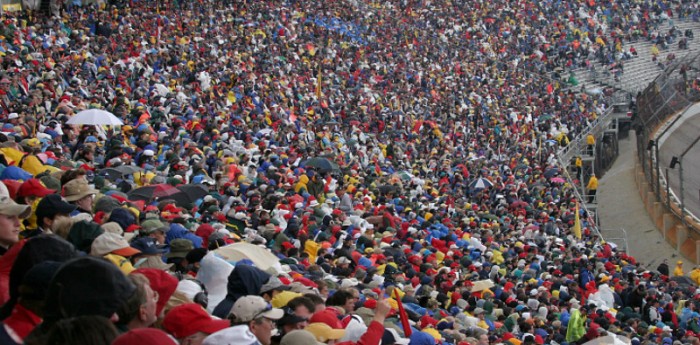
639,71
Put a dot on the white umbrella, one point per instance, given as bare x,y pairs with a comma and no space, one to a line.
261,257
95,117
611,339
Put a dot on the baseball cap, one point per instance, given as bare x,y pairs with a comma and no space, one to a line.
9,207
323,332
138,336
12,116
34,187
147,246
149,226
161,282
249,308
300,337
327,316
190,318
273,284
110,242
77,189
391,336
240,335
179,248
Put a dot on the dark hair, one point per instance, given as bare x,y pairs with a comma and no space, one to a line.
339,298
82,330
302,301
72,175
315,299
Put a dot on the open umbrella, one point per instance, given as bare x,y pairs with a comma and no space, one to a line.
519,203
188,194
683,280
261,257
551,172
405,175
557,180
95,117
480,183
322,164
118,172
153,192
481,285
387,188
610,339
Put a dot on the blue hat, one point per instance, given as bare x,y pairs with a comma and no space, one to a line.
147,246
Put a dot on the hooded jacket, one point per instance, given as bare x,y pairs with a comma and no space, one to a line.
244,280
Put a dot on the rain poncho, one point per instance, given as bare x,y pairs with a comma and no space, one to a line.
577,326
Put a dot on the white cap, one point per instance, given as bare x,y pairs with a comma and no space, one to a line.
12,116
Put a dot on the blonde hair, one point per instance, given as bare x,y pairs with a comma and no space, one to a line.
62,225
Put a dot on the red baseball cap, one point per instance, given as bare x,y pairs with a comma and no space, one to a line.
161,282
138,336
190,318
34,187
327,316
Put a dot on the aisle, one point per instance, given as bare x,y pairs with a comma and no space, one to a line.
622,207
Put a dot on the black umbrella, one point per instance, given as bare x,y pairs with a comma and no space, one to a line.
551,172
387,188
153,191
118,172
683,280
322,164
194,191
188,194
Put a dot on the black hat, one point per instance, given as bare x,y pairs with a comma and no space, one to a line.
86,286
83,233
52,205
36,282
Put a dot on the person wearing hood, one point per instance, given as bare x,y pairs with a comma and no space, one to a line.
288,235
244,280
316,186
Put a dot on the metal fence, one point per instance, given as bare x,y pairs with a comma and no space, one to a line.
660,105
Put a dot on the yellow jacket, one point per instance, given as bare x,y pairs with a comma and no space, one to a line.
303,180
592,183
678,271
695,275
590,139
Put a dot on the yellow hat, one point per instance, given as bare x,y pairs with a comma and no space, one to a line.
323,332
433,333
